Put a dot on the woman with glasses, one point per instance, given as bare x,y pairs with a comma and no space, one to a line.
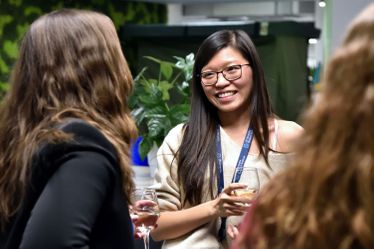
231,126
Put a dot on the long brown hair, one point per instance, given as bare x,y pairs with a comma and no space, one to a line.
325,199
197,153
70,65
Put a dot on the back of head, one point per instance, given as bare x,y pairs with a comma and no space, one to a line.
70,65
70,59
346,108
325,199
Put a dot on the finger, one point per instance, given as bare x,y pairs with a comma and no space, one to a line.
234,207
237,209
235,231
137,236
231,212
145,203
235,200
239,199
234,213
233,186
240,208
230,231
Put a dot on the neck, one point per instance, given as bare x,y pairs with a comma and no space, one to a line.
235,126
234,121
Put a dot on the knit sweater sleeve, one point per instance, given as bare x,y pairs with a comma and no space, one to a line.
166,180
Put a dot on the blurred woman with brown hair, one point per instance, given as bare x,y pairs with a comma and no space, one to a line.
65,131
325,199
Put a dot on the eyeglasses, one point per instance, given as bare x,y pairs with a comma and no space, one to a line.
233,72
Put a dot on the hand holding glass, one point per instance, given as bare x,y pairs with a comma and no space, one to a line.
145,212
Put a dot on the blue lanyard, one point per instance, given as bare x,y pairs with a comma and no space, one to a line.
241,160
238,169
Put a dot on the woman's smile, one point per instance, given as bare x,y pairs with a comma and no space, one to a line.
225,94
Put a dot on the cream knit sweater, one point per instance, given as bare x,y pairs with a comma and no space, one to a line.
170,194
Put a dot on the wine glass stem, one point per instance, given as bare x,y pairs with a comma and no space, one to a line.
146,240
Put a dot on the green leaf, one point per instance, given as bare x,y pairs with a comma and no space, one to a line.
137,78
16,3
138,114
164,87
166,70
179,113
145,146
150,100
4,86
21,29
190,59
158,112
155,125
186,65
11,49
4,20
29,10
166,67
3,66
153,59
118,17
183,89
148,92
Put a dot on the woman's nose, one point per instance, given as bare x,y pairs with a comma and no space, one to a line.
221,80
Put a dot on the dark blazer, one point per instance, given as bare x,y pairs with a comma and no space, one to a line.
75,197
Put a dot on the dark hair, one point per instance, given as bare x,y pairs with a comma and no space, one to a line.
197,151
70,65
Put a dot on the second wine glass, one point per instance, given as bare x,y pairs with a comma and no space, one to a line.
144,212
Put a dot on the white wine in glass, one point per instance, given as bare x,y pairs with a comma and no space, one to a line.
250,177
144,212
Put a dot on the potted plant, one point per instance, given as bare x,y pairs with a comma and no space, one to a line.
160,103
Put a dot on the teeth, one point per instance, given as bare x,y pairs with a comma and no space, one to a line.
225,94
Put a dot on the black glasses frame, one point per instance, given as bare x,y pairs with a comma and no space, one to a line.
223,74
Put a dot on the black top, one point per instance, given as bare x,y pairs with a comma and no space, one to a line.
75,197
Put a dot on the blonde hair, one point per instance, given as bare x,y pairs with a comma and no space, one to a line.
70,65
325,199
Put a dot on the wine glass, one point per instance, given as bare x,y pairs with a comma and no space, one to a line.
250,177
144,212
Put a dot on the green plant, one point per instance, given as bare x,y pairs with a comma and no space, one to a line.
17,15
158,104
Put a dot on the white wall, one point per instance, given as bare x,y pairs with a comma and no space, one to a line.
343,12
179,13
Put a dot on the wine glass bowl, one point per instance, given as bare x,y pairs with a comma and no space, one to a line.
246,193
249,176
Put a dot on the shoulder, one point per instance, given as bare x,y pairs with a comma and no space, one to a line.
174,138
176,132
85,133
85,139
288,133
82,131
